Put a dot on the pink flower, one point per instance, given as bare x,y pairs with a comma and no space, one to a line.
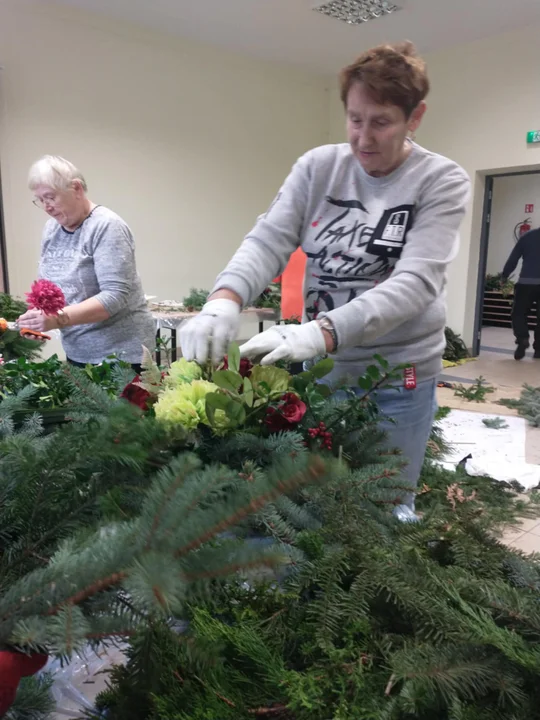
46,296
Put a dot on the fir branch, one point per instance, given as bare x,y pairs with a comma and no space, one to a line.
314,472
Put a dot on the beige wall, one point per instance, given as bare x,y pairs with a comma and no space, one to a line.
485,97
188,144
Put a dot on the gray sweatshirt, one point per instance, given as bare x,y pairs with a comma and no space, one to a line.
378,250
98,260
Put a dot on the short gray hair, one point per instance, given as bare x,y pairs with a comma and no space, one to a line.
55,172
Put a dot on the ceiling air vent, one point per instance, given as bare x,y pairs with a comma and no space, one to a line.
356,12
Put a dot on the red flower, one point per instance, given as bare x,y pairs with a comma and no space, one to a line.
136,395
13,666
46,296
287,415
245,366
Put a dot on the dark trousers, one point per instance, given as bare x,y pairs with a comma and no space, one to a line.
525,296
136,368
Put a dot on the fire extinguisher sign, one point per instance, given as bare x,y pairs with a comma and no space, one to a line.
529,209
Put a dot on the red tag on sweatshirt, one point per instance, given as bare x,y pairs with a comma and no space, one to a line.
409,377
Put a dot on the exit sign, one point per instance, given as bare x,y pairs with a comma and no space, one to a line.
529,209
533,137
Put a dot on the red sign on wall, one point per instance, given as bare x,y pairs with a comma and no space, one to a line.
529,209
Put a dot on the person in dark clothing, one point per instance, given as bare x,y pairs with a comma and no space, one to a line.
527,291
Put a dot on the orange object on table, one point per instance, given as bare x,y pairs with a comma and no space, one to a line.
292,286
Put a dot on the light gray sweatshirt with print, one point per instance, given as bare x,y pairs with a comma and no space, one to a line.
98,260
378,251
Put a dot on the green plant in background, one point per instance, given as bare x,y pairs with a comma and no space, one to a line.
476,392
455,347
270,298
13,346
11,308
498,284
528,405
195,300
495,423
51,383
294,320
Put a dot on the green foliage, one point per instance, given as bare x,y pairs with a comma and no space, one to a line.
497,283
195,300
528,405
455,347
384,620
305,599
52,486
51,387
495,423
52,382
13,346
442,412
476,392
11,308
270,298
33,701
162,547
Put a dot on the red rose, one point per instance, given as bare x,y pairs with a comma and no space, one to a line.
245,366
136,395
287,414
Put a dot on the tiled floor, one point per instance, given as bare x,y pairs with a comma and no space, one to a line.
497,365
526,537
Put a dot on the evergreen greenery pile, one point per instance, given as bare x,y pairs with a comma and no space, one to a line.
381,620
235,526
456,349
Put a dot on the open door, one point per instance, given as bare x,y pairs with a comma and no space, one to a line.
482,266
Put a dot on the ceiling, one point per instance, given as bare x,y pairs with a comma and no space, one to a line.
289,31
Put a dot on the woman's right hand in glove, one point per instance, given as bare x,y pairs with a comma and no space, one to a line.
209,334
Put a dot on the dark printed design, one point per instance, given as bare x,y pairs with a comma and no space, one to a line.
347,252
389,236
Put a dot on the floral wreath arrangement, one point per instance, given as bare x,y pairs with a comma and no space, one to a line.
262,400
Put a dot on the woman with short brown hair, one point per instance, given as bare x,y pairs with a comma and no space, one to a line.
378,219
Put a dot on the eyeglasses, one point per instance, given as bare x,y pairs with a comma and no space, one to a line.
42,203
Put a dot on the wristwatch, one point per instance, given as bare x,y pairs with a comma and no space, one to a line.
62,318
326,324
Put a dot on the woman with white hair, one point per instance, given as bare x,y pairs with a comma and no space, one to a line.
88,251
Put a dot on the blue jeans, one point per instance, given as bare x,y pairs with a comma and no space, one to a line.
413,413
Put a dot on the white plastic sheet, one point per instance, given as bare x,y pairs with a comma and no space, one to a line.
499,454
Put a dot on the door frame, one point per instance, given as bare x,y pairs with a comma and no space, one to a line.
3,249
484,249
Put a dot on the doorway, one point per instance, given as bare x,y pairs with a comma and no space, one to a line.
511,206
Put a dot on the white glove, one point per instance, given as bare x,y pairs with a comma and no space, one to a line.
294,343
211,332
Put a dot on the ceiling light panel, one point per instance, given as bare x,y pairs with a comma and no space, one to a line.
357,12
